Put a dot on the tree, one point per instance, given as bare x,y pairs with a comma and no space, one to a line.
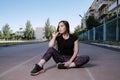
1,35
32,33
91,22
28,31
77,30
49,29
52,30
12,36
6,31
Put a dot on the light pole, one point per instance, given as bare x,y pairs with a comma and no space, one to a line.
84,28
117,27
81,25
81,21
80,16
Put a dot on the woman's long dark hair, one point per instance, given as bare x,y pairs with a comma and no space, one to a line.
66,25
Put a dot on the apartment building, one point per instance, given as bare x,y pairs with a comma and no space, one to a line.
90,12
113,8
101,9
39,33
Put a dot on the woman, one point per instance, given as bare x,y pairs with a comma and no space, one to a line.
66,54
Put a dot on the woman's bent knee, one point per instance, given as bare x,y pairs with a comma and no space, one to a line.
81,60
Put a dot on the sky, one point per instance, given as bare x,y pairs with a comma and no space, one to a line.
17,12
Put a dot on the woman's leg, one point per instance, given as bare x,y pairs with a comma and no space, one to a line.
80,61
51,52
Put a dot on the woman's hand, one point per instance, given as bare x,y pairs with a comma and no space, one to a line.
67,63
55,34
53,40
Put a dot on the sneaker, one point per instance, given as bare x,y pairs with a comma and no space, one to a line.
37,70
61,66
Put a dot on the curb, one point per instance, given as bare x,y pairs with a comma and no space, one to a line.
107,46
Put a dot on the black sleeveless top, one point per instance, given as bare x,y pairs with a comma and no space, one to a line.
66,46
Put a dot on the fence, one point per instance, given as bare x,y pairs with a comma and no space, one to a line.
106,32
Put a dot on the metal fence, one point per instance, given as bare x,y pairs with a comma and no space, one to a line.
105,32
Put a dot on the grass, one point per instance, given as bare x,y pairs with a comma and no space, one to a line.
18,42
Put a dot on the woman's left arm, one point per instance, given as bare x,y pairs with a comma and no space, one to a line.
76,50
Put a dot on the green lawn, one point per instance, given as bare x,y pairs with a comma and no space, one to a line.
18,42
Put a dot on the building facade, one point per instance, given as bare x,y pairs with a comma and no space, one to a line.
39,33
20,32
101,9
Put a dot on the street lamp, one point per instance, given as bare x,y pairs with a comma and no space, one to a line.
117,27
80,16
81,21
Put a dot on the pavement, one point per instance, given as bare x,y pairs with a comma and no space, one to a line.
16,62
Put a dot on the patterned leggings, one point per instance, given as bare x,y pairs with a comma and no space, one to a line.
51,52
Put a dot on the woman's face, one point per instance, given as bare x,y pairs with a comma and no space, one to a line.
62,28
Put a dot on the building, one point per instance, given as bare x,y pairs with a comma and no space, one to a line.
39,33
20,32
101,9
90,12
114,8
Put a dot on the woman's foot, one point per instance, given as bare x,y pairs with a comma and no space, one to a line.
61,66
37,70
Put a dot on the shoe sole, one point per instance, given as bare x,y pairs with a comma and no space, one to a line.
34,74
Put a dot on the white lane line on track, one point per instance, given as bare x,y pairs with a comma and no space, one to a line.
18,66
89,73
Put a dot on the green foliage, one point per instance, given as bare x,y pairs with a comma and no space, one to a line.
49,29
1,35
77,30
14,36
91,22
28,31
6,31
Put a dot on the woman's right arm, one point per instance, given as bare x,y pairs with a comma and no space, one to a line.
53,40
